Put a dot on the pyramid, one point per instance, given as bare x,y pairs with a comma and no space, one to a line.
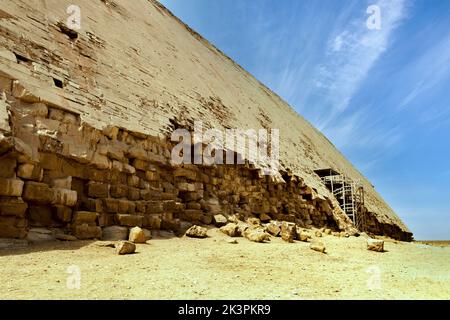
86,117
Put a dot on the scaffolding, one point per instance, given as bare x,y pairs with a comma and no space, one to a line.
349,193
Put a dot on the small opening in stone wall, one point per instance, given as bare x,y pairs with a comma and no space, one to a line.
58,83
20,58
72,34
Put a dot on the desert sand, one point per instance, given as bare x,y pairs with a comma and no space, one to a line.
168,267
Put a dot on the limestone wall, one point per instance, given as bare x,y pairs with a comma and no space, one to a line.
84,123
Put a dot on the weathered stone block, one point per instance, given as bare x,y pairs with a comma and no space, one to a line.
119,191
196,232
63,213
153,222
375,245
62,183
84,217
12,207
8,168
84,231
154,207
111,205
129,220
134,194
39,193
115,233
11,187
138,235
40,216
288,232
65,197
98,190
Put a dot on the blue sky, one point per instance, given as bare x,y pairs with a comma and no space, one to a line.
381,96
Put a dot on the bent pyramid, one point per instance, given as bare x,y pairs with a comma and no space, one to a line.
86,117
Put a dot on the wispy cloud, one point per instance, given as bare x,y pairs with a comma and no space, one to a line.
351,53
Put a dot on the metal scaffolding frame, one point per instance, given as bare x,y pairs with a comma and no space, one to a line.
349,193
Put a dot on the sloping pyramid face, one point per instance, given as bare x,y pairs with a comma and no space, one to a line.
86,118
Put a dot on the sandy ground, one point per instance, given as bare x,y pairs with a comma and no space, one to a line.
212,268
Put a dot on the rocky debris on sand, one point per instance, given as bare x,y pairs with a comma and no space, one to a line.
303,235
139,235
125,247
242,226
318,234
231,229
115,233
287,231
327,231
253,221
375,245
196,232
256,235
273,228
264,217
232,241
220,220
317,246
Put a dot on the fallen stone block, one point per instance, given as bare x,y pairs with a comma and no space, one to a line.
125,247
273,229
138,235
288,232
256,235
317,246
231,229
303,235
196,232
115,233
220,220
375,245
264,217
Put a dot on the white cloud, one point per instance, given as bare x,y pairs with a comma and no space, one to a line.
351,54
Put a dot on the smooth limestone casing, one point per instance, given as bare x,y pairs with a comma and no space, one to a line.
133,72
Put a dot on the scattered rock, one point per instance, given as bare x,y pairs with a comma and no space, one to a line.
125,247
287,231
254,221
115,233
318,234
336,234
375,245
303,235
274,229
232,241
231,229
317,246
327,231
264,217
138,235
256,235
220,220
242,226
196,232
